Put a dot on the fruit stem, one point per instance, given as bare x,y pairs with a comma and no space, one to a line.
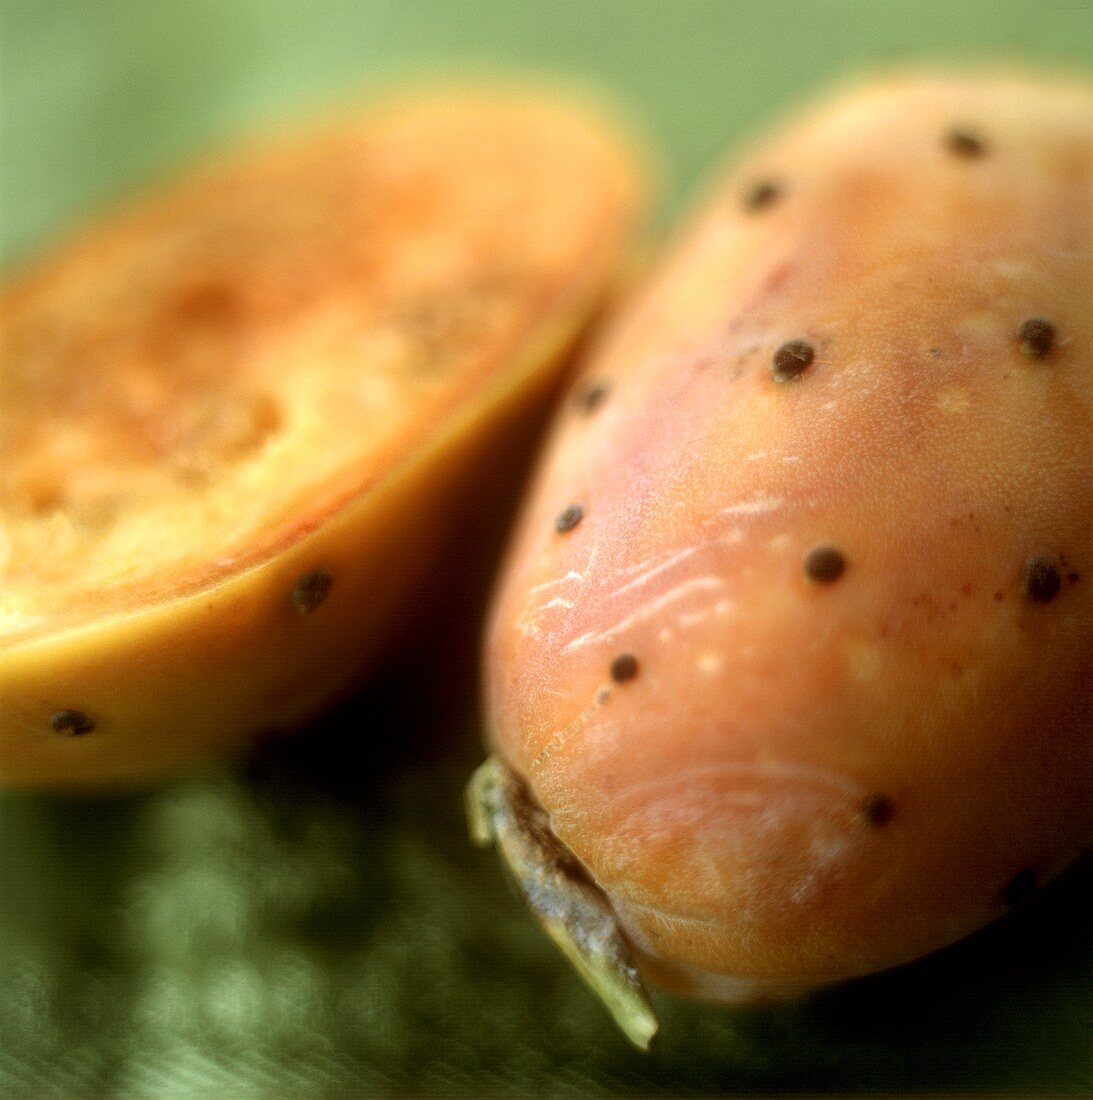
574,911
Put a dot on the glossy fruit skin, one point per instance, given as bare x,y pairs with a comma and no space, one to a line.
450,246
836,524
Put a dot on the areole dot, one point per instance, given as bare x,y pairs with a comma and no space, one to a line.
792,359
590,397
1041,579
1036,337
877,810
624,667
311,590
824,564
568,518
965,142
72,723
762,194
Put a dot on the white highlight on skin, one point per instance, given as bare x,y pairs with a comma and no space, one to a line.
673,558
572,575
654,607
722,607
823,848
640,574
556,602
528,622
710,663
756,507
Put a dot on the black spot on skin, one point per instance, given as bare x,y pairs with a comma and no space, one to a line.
1073,577
592,396
935,352
1019,888
762,195
1036,337
965,143
624,667
877,810
568,518
1041,580
71,723
311,590
791,359
824,564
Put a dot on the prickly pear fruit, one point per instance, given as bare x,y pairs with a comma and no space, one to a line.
792,661
232,420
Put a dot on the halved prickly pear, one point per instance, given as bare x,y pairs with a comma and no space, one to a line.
233,418
793,656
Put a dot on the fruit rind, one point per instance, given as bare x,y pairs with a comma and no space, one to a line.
858,596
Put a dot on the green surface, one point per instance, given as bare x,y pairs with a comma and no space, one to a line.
316,924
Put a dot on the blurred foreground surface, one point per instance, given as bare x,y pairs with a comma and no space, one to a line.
315,923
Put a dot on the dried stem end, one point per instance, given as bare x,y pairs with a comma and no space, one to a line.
574,911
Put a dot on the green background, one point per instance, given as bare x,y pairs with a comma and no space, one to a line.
313,922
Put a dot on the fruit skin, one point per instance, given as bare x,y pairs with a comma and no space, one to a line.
252,584
854,586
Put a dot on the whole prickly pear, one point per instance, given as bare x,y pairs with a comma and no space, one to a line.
790,674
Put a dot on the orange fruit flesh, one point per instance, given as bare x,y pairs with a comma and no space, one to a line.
280,367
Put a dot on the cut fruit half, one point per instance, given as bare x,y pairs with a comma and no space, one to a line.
235,422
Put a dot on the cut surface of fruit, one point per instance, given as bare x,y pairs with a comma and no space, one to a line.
208,385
